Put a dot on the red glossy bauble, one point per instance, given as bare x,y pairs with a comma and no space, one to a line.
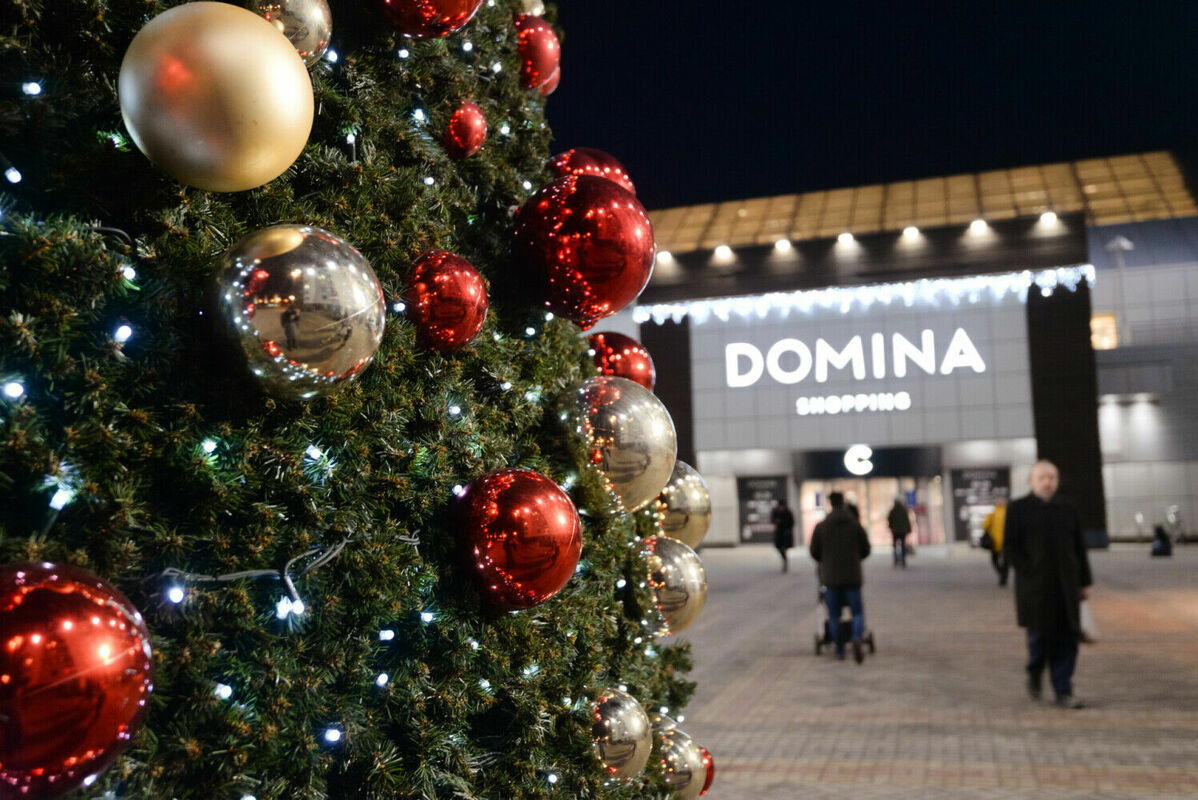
588,244
589,161
709,763
522,535
447,300
624,357
466,131
76,673
540,52
428,19
550,86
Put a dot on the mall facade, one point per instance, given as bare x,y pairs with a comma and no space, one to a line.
929,340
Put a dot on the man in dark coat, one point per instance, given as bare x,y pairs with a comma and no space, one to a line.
784,530
900,526
839,544
1043,542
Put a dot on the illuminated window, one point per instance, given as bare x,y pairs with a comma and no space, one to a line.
1104,334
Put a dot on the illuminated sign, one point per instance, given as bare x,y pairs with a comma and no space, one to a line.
856,459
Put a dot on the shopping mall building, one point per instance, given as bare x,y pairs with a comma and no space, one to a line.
929,340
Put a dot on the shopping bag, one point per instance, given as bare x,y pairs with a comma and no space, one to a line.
1089,627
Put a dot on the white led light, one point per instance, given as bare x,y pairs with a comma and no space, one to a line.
122,334
31,88
623,687
1048,218
223,690
665,257
313,452
620,584
426,616
459,490
723,252
419,115
467,46
382,679
248,797
403,52
332,735
331,56
298,607
845,238
530,331
637,640
430,180
89,780
351,137
910,232
1046,291
175,594
13,175
485,684
473,644
455,410
398,308
506,385
14,389
61,498
978,227
782,245
527,185
129,272
386,635
208,445
548,316
283,608
505,129
496,67
552,778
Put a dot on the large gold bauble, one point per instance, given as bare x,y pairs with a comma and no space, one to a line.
677,582
307,24
305,307
216,96
686,505
683,763
623,431
620,729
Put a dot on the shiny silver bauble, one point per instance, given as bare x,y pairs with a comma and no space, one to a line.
620,728
683,763
622,430
307,24
686,505
677,582
305,307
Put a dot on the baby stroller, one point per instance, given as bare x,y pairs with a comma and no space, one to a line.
824,637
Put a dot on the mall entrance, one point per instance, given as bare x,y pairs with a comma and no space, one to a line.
874,498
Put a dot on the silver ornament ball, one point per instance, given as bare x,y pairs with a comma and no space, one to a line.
677,582
620,729
307,24
304,305
622,430
686,501
683,764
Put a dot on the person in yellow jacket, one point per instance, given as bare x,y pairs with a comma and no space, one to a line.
993,524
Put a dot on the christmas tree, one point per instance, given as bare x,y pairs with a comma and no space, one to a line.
291,533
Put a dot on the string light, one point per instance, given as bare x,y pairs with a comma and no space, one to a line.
497,67
13,175
175,594
782,245
130,273
223,690
332,735
427,616
527,185
455,410
208,446
552,778
845,238
506,386
14,389
386,635
467,46
505,129
621,583
459,490
382,679
399,308
978,227
61,497
89,780
31,88
351,138
419,115
429,180
122,334
404,52
313,452
331,56
928,292
530,331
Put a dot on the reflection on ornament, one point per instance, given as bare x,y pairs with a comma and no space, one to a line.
589,161
677,581
428,19
587,245
447,300
214,96
686,506
466,131
625,433
620,729
622,356
683,764
307,24
550,86
76,672
539,49
522,536
709,764
305,307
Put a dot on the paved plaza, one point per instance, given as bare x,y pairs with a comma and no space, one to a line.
941,711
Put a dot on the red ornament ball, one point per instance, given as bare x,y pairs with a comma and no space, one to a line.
624,357
709,764
523,537
76,674
428,19
589,161
447,300
466,131
540,52
550,86
588,244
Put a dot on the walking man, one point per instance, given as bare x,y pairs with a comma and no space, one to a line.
900,526
839,544
784,530
1043,543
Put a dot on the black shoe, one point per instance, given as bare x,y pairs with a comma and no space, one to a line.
858,653
1069,701
1035,684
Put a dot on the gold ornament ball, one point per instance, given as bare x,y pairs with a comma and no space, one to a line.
216,96
686,501
677,582
621,732
683,764
307,24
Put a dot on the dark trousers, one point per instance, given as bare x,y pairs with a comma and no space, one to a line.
900,550
837,597
1059,652
1000,566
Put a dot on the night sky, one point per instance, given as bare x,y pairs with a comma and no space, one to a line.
705,101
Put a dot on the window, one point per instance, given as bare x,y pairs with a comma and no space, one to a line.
1104,333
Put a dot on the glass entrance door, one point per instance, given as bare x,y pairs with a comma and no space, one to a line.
874,498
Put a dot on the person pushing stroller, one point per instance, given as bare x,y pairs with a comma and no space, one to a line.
839,544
